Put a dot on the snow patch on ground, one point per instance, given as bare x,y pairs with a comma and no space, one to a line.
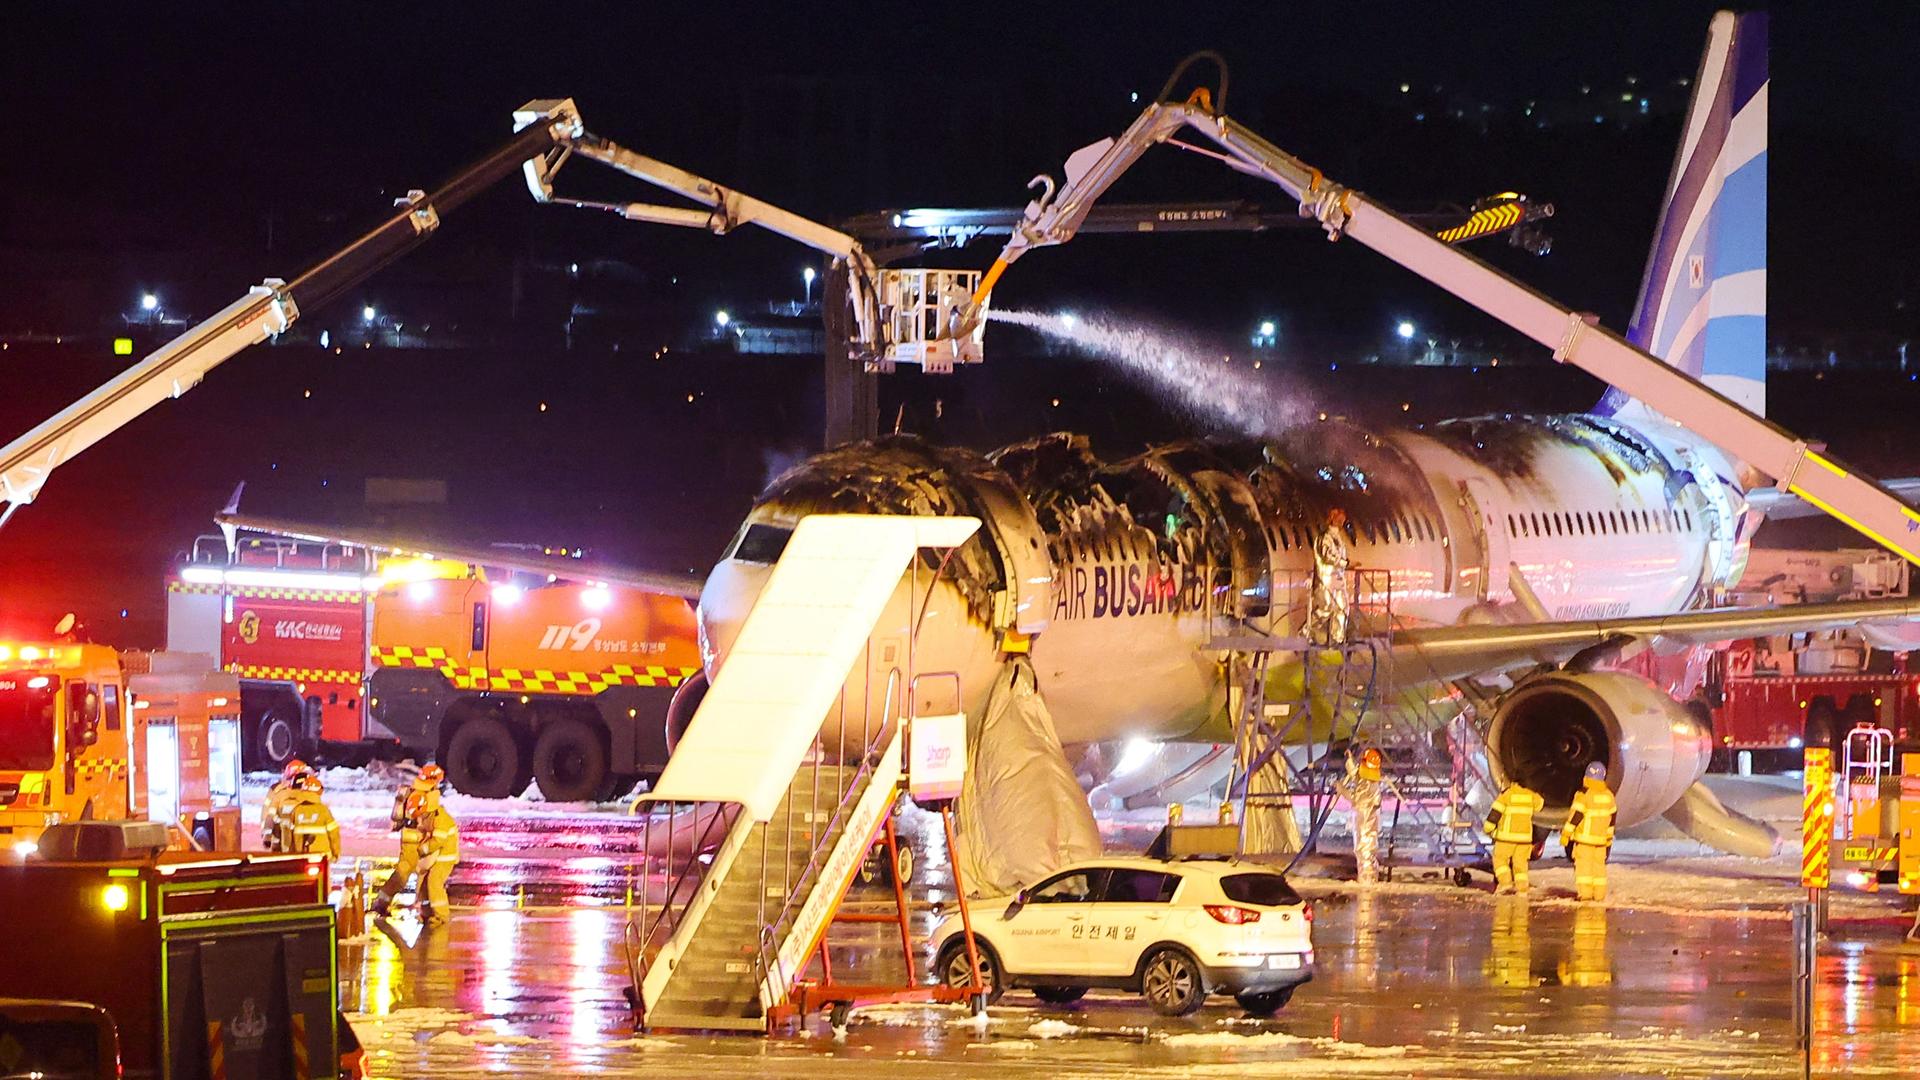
1273,1040
460,1039
1053,1029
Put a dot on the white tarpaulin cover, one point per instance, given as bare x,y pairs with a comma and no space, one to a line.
757,722
1022,813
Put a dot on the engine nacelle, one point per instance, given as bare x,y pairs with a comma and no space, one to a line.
1548,728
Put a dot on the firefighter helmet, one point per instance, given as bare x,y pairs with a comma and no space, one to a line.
431,776
1370,762
293,770
1596,770
1336,517
308,781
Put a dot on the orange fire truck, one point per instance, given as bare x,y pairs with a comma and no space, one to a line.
90,733
503,675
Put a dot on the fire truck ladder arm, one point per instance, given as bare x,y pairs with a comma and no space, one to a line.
1574,337
267,310
725,208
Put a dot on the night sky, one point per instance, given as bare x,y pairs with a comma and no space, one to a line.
194,153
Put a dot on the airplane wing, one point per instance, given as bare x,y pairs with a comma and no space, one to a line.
562,567
1454,652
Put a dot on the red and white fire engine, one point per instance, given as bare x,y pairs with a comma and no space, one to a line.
290,619
1783,692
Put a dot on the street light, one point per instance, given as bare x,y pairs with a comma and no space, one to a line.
1267,329
721,319
806,275
1405,330
149,302
368,314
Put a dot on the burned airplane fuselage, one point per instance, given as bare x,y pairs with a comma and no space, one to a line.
1114,574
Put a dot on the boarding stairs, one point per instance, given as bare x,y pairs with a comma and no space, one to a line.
762,818
733,960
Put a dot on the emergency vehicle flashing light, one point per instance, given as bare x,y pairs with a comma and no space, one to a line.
275,579
114,897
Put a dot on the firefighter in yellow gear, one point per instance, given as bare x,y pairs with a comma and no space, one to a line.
1588,835
410,838
273,809
1510,823
306,825
439,851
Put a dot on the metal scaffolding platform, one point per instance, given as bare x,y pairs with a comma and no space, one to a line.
1298,705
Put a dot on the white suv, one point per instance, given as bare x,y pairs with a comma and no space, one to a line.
1175,930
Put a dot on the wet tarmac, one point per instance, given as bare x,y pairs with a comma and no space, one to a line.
1413,980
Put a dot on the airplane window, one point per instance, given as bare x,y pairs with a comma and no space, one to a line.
1393,527
1593,524
1353,535
1687,515
1511,530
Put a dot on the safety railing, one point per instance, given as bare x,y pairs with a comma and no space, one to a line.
649,927
848,792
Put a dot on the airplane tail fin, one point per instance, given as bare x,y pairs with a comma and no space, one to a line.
1703,297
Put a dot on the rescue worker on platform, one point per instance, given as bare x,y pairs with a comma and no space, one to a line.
1361,788
306,825
1327,614
278,796
439,850
404,824
1510,823
1588,835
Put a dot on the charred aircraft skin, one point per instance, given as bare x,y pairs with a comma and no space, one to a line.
1119,571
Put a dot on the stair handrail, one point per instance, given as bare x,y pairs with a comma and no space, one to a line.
768,958
641,932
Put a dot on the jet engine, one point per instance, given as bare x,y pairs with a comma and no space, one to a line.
1547,729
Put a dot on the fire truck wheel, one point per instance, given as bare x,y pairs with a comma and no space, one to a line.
275,736
569,761
1823,726
483,759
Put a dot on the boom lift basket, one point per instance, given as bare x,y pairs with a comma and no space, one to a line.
919,308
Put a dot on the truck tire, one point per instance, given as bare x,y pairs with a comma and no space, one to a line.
1823,729
483,759
277,736
570,761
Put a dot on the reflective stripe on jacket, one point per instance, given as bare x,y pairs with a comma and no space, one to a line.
1511,819
1590,821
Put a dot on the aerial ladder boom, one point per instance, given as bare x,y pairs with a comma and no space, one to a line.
266,311
1575,337
891,309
